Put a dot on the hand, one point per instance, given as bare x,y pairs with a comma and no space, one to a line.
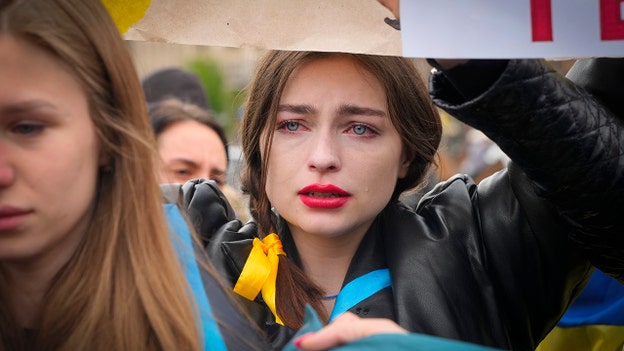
344,329
446,64
392,5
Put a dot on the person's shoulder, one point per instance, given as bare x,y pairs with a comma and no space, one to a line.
451,204
237,330
457,185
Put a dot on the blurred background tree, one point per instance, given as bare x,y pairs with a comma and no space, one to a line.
226,102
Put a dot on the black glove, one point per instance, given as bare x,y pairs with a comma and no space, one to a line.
206,207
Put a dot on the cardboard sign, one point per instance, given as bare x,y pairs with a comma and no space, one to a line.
321,25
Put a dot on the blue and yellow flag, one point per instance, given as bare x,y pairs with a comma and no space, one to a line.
594,322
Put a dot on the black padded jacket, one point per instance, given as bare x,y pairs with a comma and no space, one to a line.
496,263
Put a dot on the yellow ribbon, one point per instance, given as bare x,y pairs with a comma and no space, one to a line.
260,272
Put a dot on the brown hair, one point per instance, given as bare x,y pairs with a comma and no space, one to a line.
171,110
411,112
123,289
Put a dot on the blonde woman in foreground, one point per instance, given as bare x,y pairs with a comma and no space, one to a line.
87,261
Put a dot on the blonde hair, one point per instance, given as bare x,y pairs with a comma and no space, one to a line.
123,289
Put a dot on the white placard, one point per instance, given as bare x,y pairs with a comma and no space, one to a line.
512,28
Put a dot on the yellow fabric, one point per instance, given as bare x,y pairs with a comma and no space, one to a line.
125,13
260,272
584,338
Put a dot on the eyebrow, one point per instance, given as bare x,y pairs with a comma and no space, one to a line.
217,171
298,109
26,106
350,110
343,110
185,161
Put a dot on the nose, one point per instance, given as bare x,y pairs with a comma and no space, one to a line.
7,170
324,153
7,173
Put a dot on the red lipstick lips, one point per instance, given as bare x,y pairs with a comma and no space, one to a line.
323,196
11,218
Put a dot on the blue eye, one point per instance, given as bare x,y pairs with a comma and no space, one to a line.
360,129
292,125
28,128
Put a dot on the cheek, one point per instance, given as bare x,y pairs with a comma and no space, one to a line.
277,174
83,165
381,175
283,171
68,187
84,169
285,161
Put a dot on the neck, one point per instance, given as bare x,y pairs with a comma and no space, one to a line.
29,278
326,260
325,257
26,290
27,283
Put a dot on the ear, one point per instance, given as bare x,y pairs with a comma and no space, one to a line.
104,159
406,161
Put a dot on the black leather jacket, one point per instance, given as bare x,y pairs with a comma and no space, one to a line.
491,264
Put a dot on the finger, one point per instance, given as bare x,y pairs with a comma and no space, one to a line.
347,328
342,330
392,5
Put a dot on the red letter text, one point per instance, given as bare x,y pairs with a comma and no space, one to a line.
611,24
541,20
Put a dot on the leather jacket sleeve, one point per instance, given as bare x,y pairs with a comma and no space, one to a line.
602,77
569,145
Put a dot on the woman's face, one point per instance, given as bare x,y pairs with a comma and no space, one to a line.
189,149
336,156
49,157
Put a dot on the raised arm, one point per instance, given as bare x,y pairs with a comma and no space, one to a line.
566,141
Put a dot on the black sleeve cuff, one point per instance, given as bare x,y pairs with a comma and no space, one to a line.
474,77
